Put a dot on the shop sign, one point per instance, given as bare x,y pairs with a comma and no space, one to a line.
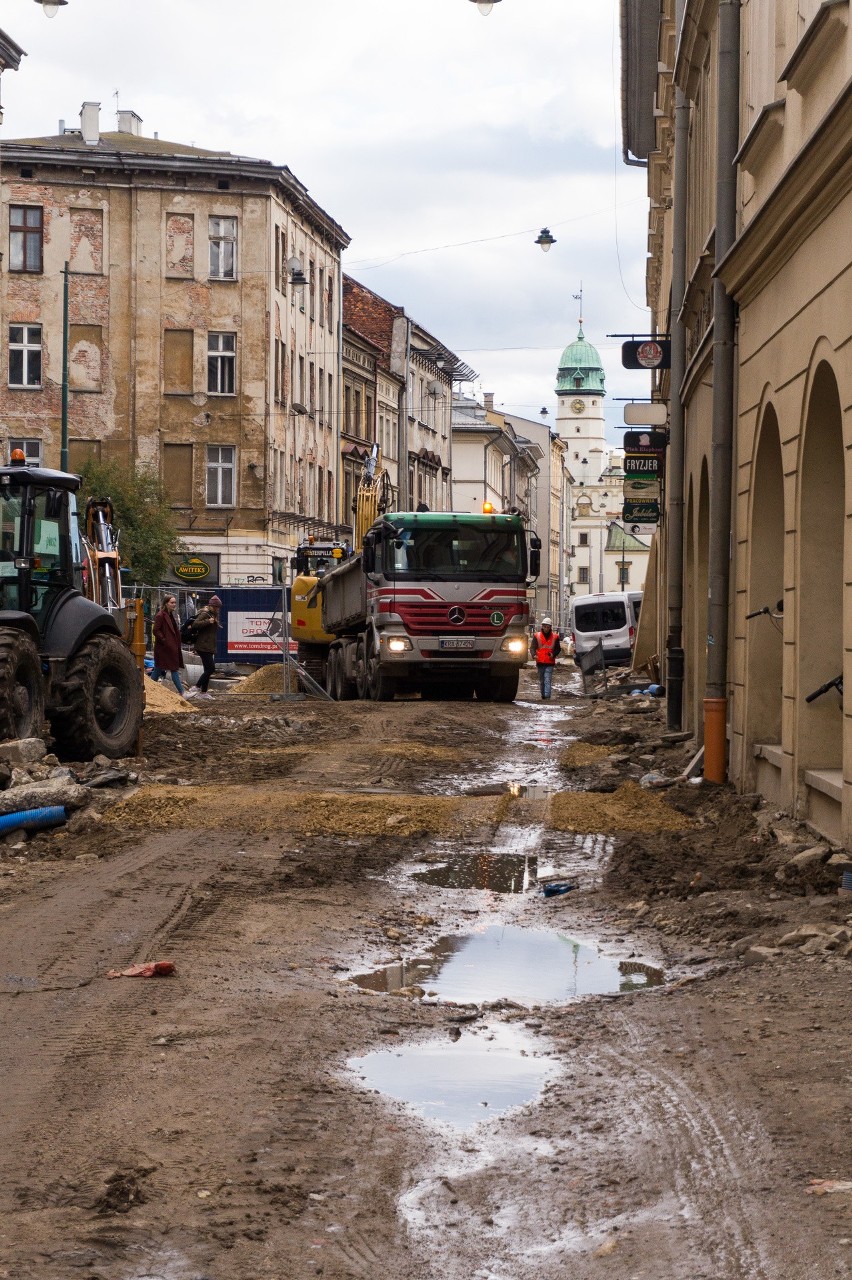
644,512
650,354
192,569
642,464
256,631
642,489
645,441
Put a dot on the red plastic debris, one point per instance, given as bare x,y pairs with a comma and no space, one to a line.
153,969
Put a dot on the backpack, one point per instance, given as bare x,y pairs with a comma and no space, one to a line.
186,631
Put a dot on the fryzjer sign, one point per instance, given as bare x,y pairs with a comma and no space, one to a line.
643,464
650,353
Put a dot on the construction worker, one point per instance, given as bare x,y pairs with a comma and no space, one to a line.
546,648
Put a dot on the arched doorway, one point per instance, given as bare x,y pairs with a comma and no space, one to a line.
819,631
764,638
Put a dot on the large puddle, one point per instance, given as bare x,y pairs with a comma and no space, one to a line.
461,1082
506,962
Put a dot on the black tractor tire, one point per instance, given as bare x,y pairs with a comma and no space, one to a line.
99,704
21,686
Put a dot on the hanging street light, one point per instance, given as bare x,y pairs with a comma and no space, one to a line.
485,6
51,7
545,239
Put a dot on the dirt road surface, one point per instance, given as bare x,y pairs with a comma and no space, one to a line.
245,1117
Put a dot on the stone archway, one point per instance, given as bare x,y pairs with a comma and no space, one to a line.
819,621
764,638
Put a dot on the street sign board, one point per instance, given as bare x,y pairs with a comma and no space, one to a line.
648,354
641,489
646,415
644,512
645,442
642,464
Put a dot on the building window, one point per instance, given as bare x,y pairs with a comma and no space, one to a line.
624,574
24,355
26,232
220,475
221,364
177,362
584,539
312,287
331,299
583,574
180,246
223,248
177,474
31,449
322,297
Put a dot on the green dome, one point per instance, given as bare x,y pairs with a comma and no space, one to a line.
580,368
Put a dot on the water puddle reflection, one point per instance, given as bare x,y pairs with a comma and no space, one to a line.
506,962
499,873
461,1083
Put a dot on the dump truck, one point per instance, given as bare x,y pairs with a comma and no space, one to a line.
63,654
435,603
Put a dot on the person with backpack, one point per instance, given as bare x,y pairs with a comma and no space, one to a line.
168,658
204,627
546,647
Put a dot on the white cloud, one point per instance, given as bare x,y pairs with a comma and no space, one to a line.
415,123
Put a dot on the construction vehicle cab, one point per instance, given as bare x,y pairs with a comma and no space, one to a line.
314,558
61,654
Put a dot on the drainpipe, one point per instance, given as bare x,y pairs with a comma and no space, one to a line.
674,495
721,462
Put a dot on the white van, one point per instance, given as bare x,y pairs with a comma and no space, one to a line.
608,617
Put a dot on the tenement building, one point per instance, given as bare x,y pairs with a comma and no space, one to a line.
204,310
742,113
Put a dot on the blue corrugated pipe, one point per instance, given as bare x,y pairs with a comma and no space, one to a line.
34,819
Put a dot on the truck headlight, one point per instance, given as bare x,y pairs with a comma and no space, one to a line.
515,645
398,644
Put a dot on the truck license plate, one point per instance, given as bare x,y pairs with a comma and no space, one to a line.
457,642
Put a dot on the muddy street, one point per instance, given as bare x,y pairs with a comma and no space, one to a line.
454,995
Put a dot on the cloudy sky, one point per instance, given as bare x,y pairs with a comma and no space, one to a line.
441,140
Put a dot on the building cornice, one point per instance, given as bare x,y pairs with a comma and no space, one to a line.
809,189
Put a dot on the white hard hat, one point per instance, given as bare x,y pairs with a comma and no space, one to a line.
547,622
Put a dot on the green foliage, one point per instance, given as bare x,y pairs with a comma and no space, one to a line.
149,536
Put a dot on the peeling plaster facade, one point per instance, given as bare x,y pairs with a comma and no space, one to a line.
190,348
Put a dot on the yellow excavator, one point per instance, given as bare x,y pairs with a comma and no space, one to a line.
315,557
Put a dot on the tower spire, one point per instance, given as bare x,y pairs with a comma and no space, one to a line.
578,297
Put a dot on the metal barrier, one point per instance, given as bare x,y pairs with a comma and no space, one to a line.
590,661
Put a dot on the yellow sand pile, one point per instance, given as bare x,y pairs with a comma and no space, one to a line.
244,808
580,754
630,808
269,679
162,698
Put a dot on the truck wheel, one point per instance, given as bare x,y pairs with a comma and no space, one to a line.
505,688
361,670
382,685
331,674
344,689
100,702
21,686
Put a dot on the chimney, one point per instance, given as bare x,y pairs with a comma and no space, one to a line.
130,122
488,398
61,128
90,128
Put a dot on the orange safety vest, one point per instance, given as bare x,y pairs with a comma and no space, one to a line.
544,652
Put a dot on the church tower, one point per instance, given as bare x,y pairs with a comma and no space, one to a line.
580,414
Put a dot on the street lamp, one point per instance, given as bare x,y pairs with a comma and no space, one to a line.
485,6
545,240
297,275
51,7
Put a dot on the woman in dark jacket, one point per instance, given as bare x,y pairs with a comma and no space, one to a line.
205,624
168,658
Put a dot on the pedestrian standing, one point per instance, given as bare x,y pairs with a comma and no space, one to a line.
546,648
168,658
205,625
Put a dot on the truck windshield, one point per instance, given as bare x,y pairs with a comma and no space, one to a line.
468,551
